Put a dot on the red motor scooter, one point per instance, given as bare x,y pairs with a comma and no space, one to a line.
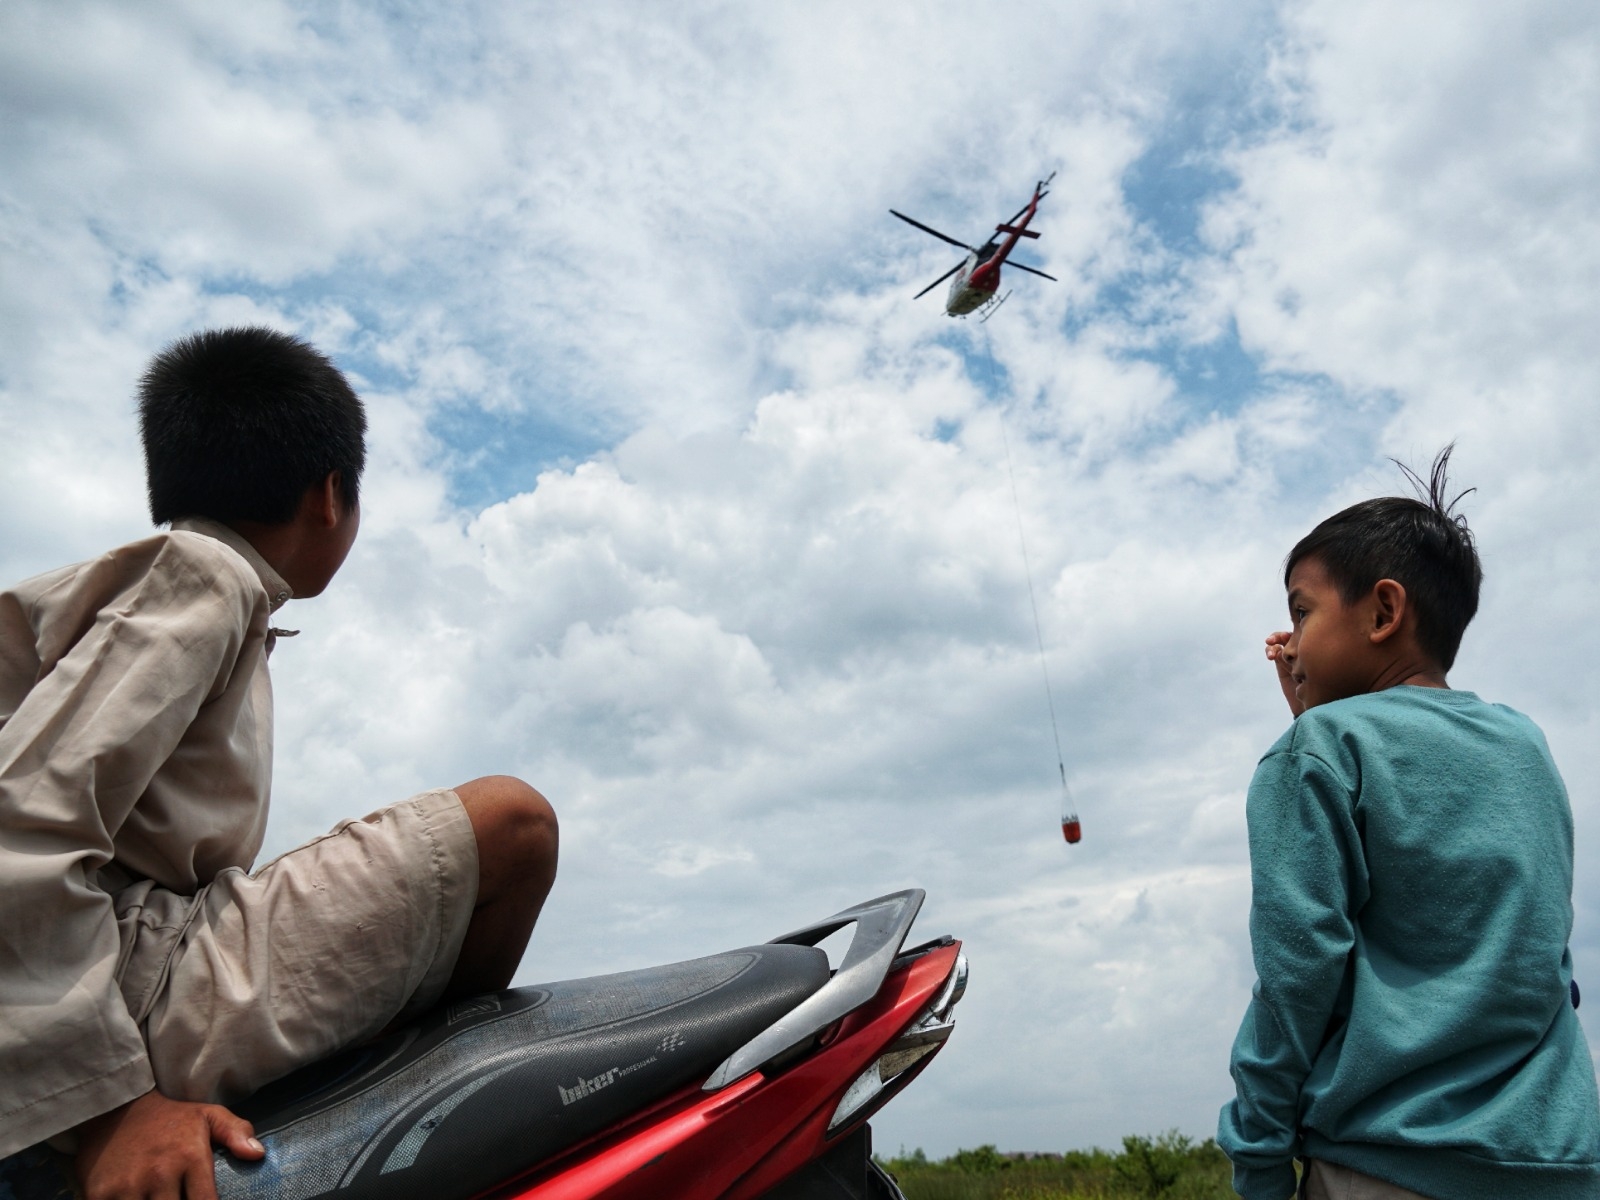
746,1074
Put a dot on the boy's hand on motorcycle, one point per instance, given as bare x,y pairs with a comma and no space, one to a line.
153,1148
1275,644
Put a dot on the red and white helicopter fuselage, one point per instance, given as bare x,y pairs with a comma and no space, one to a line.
965,295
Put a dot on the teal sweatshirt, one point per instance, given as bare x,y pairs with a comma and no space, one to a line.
1411,860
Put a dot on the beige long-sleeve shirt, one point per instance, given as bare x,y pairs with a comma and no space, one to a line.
135,728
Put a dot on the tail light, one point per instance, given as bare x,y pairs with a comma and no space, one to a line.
923,1037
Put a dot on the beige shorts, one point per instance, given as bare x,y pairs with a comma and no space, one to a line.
260,974
1329,1181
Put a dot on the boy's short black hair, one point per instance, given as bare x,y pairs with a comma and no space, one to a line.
1419,543
238,423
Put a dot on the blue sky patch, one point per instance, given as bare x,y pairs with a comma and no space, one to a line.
1213,377
491,456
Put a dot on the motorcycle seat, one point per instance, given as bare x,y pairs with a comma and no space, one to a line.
480,1091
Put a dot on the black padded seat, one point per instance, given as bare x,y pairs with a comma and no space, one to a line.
486,1088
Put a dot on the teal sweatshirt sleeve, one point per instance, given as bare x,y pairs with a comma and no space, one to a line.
1308,880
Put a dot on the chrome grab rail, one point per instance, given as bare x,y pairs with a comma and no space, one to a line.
881,928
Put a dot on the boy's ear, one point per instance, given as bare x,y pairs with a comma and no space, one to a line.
1388,600
324,501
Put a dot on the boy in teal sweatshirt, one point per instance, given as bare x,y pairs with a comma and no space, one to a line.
1412,1030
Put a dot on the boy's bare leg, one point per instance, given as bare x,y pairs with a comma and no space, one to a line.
517,849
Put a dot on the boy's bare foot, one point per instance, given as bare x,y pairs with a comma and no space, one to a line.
153,1148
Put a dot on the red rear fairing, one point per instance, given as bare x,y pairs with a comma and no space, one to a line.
736,1143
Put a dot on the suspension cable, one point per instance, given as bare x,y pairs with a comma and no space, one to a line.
1033,604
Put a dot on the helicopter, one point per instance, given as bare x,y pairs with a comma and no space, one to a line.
977,277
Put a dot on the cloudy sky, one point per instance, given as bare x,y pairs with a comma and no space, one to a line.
681,508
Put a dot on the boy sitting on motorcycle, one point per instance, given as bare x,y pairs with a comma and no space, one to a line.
146,976
1412,1031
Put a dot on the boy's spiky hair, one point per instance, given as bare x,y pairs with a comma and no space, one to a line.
1421,543
238,423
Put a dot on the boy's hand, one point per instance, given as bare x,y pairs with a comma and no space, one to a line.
153,1148
1275,644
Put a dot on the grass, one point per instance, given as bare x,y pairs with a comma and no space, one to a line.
1170,1166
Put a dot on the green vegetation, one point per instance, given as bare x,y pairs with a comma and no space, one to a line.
1170,1166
